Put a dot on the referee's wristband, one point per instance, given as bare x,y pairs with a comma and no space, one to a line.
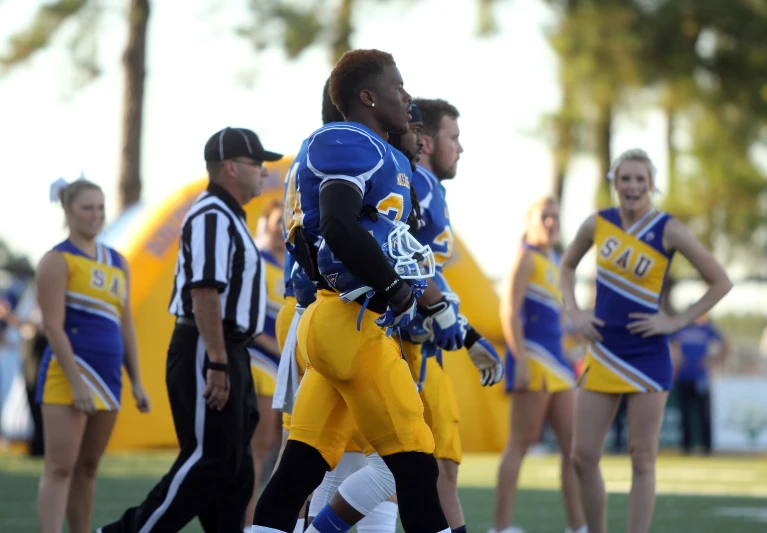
221,367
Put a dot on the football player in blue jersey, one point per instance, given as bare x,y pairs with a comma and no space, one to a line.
356,375
358,489
440,324
301,292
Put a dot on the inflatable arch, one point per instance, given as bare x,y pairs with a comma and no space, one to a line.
149,240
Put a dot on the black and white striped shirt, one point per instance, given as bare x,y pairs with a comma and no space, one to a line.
217,250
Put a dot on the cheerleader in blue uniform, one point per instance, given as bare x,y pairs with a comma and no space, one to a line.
538,375
82,290
628,352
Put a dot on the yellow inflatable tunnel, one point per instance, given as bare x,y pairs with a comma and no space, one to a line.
149,240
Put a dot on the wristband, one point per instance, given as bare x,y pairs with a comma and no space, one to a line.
221,367
471,337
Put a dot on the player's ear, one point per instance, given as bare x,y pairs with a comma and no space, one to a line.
366,97
428,144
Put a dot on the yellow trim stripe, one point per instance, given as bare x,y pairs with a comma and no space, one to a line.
617,369
79,300
628,287
648,218
95,381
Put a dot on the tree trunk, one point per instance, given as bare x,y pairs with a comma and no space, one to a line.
563,143
670,149
343,31
135,73
604,156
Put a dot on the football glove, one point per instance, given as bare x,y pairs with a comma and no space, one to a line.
442,318
484,357
418,286
418,330
398,315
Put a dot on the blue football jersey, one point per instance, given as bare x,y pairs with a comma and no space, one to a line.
351,152
435,230
291,216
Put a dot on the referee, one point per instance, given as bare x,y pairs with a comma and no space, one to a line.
219,299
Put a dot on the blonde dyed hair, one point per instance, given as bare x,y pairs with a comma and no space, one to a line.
537,205
634,154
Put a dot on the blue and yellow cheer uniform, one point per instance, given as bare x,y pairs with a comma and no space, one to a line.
541,326
632,269
96,295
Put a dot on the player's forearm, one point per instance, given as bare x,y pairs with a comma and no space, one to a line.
207,316
431,295
340,207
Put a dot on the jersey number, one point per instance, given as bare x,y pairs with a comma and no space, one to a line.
445,241
292,215
393,202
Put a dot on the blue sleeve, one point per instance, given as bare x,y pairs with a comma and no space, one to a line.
345,153
423,191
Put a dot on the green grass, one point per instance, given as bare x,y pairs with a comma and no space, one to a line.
698,495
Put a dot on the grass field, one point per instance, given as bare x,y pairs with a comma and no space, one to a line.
696,495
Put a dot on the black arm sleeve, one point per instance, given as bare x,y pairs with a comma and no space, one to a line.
340,207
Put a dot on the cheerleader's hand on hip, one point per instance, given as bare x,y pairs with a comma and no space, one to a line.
649,324
586,323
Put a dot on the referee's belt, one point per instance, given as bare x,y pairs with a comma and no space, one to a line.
231,332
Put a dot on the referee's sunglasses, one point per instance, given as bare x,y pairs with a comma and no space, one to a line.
249,163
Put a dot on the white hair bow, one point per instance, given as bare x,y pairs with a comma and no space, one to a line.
59,184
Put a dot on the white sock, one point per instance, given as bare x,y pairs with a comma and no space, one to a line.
262,529
299,526
383,519
582,529
312,529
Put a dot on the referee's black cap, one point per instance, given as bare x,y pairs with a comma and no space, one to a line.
237,142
